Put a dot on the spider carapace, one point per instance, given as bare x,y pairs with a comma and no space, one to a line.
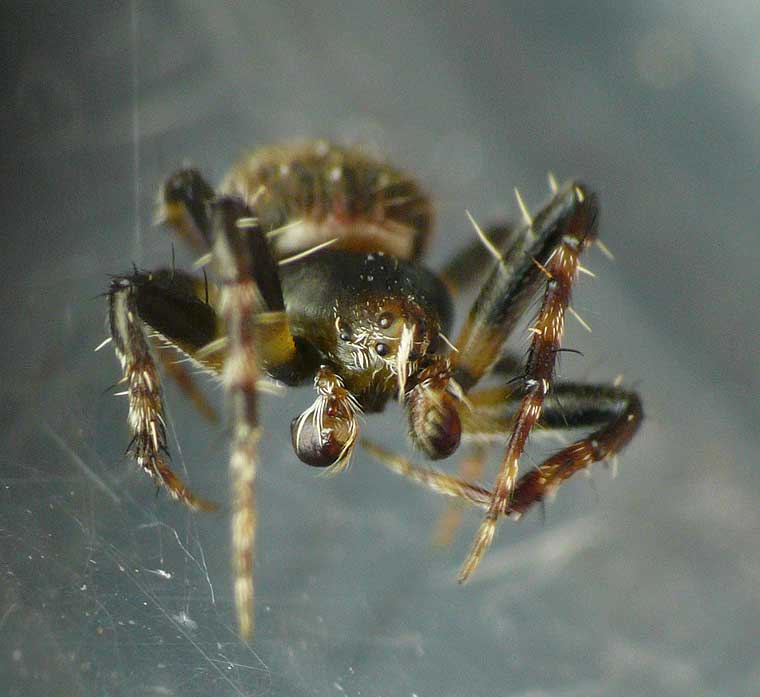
317,277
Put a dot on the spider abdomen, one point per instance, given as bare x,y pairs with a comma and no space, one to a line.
322,191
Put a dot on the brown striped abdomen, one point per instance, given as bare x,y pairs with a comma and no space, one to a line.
331,191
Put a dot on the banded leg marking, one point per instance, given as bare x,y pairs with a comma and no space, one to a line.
148,444
240,302
560,245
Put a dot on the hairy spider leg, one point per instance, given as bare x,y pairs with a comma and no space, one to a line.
457,272
617,411
188,323
433,479
182,205
569,405
458,277
515,278
165,304
258,337
547,255
614,412
241,330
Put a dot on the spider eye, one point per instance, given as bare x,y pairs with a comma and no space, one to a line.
345,333
382,349
385,320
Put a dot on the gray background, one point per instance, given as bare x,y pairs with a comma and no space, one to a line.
650,586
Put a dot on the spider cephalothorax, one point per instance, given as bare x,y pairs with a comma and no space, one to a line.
316,254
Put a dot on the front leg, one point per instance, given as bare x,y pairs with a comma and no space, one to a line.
258,338
135,301
564,229
614,413
249,287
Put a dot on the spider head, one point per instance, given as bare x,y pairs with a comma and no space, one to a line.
392,343
381,341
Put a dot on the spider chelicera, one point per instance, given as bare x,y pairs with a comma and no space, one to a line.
316,255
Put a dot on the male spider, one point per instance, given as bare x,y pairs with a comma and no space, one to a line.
366,322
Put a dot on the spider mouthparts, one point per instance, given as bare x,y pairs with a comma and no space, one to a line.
324,437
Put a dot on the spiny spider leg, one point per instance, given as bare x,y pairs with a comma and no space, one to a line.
614,411
182,205
163,303
563,229
620,413
258,338
457,273
188,326
603,443
515,279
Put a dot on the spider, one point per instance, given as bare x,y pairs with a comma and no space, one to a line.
316,251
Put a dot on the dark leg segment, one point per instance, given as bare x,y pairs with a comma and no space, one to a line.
183,205
567,221
172,304
568,226
615,412
568,406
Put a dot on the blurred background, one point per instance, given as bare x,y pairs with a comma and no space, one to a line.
648,584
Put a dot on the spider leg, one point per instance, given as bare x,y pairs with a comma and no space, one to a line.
183,205
517,276
569,405
173,331
257,337
615,411
470,469
179,372
143,301
457,273
562,230
187,205
433,479
620,413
